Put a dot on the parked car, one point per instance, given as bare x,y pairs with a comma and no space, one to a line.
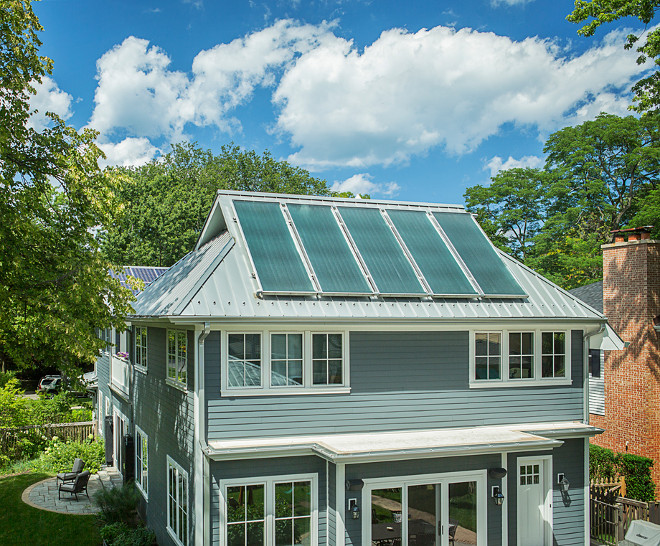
50,385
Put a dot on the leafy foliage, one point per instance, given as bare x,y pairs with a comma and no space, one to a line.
59,455
167,201
599,12
599,176
120,534
606,465
54,283
118,505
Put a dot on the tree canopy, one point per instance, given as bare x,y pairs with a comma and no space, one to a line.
599,176
166,201
54,284
599,12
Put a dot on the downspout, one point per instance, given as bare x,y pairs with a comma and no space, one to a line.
201,464
587,336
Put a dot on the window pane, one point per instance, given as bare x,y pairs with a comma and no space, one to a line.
334,372
319,346
236,535
481,367
235,374
255,501
514,344
527,343
546,343
320,372
253,374
514,367
252,346
283,500
295,372
494,368
278,373
278,346
295,346
527,368
494,343
302,531
236,347
302,498
334,346
283,532
546,366
559,342
255,533
481,344
559,366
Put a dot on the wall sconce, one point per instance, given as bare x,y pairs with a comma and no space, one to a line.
498,497
353,508
354,485
563,482
497,473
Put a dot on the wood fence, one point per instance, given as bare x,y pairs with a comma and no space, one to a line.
78,432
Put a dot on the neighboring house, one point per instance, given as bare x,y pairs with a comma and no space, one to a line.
628,390
340,372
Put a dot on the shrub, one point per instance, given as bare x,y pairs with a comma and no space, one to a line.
59,455
606,465
5,377
120,534
118,505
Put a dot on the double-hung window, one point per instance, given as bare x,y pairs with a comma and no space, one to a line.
142,461
177,357
277,511
141,347
177,502
519,357
284,362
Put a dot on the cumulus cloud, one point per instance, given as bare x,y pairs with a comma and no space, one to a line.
130,152
496,164
48,98
407,93
362,184
496,3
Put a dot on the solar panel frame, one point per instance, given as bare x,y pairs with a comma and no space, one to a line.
257,278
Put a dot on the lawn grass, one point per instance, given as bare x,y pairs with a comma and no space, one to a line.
21,524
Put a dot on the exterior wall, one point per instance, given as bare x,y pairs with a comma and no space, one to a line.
631,292
268,467
568,523
165,414
399,381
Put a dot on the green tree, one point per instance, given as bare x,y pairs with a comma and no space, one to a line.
54,284
599,12
167,201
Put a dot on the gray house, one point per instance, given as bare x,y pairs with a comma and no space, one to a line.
326,371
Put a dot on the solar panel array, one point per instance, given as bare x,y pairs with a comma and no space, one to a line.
144,273
365,250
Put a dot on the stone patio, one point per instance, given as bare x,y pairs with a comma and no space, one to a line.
43,494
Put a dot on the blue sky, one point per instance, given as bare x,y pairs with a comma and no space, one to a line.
411,100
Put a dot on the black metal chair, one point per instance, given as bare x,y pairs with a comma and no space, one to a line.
79,485
64,476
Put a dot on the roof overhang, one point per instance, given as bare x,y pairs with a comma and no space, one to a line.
607,340
392,446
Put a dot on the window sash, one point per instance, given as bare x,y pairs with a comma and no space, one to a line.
177,356
141,346
553,354
177,505
244,360
142,461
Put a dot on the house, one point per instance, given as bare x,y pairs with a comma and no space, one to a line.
328,371
625,391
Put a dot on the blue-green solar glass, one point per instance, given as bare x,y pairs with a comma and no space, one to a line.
388,265
328,251
440,269
278,263
478,254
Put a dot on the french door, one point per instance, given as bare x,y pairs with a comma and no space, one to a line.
436,510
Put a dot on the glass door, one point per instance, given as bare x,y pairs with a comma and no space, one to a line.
463,511
423,514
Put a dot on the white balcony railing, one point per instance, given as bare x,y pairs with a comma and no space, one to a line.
120,372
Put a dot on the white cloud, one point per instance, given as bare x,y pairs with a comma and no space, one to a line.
496,164
362,184
407,93
496,3
48,98
130,152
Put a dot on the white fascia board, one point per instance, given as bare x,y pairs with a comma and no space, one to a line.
607,340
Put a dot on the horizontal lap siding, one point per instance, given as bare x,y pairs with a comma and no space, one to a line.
399,381
268,467
166,415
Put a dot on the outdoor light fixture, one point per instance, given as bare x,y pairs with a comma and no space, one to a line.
563,482
497,473
354,485
498,497
353,508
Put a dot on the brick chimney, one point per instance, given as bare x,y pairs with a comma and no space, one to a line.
631,301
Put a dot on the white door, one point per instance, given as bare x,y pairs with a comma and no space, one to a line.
534,506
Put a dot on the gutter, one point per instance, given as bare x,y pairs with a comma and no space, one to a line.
585,364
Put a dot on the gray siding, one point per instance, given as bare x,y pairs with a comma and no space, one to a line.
399,381
428,466
568,514
165,414
268,467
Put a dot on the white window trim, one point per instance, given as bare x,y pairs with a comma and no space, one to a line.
170,530
139,433
504,380
140,367
265,389
269,494
175,382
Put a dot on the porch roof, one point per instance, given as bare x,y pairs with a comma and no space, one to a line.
415,444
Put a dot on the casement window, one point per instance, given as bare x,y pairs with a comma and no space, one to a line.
519,357
142,461
284,362
177,502
141,347
273,511
177,357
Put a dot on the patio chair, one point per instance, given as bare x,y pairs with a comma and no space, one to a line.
65,476
79,485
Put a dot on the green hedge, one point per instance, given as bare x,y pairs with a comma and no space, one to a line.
606,465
